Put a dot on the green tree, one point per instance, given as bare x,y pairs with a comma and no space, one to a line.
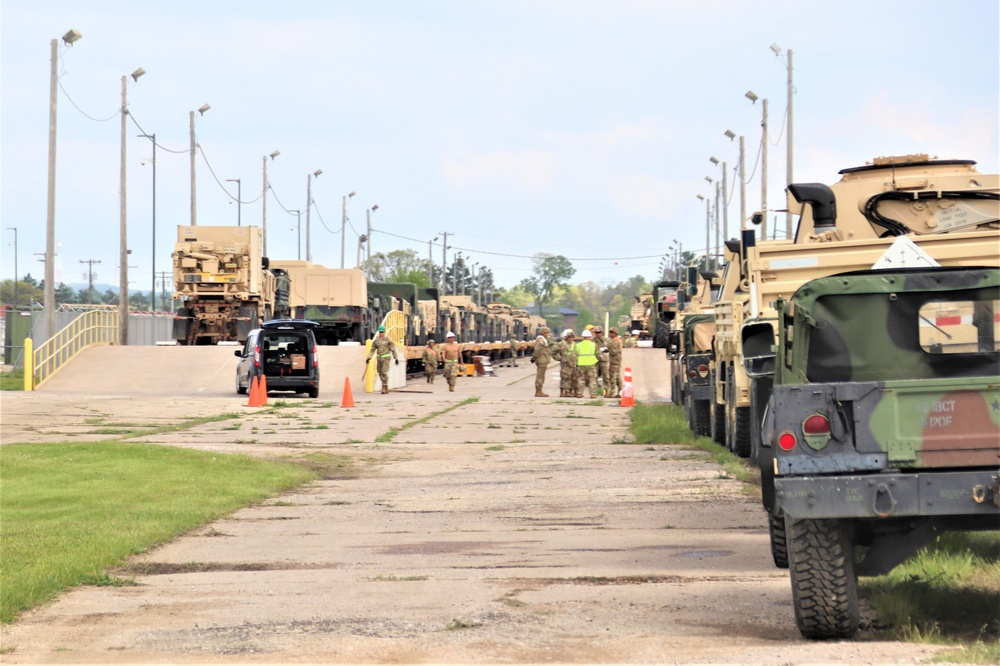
65,294
26,292
399,266
550,271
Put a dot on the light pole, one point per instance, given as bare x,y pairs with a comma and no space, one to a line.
444,261
743,180
50,220
454,275
123,231
788,142
239,200
152,293
368,240
309,205
708,232
264,201
14,229
343,225
298,227
194,207
725,198
750,95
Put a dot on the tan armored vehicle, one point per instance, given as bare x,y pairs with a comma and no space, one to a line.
334,298
926,200
222,283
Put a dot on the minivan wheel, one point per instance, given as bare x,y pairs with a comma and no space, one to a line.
242,390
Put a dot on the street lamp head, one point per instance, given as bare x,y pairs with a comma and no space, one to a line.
730,134
709,179
71,37
275,154
317,172
137,73
351,195
701,197
203,109
776,49
375,207
713,161
752,96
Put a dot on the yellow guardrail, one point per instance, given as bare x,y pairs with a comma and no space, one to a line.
91,329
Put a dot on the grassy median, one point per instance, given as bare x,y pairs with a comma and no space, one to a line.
70,511
948,594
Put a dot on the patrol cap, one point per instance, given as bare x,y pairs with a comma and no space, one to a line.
450,335
613,330
430,343
587,334
597,329
544,329
381,329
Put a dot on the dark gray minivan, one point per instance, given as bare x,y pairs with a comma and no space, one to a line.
284,351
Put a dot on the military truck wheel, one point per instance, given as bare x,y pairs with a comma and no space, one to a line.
779,540
741,432
718,425
824,585
661,339
701,416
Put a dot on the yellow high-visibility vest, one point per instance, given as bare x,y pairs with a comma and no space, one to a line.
586,353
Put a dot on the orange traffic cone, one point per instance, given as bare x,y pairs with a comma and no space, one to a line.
262,393
254,400
348,399
628,395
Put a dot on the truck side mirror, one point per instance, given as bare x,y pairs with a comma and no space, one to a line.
758,350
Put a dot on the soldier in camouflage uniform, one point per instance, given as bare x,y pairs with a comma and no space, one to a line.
629,342
615,345
430,359
452,356
513,350
602,357
384,348
587,361
565,351
540,356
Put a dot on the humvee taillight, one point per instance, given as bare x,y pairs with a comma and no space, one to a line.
786,441
817,424
703,370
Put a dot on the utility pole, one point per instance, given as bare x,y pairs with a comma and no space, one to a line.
90,277
163,289
444,261
16,278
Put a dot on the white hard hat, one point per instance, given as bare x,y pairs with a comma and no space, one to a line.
568,331
635,332
587,333
450,335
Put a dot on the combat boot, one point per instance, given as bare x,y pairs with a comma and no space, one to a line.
385,389
539,394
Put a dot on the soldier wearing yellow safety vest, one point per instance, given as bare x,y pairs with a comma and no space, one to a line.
586,365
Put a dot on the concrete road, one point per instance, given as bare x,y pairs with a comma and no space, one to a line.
506,529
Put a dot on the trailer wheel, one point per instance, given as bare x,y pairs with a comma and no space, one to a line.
779,540
824,584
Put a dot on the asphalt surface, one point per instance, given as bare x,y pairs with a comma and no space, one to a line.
505,529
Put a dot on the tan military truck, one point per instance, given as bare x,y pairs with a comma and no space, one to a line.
222,284
335,298
910,195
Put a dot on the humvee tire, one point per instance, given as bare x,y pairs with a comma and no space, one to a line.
779,540
700,417
824,585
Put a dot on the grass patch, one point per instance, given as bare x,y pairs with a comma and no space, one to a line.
12,381
947,594
496,447
72,510
391,433
666,424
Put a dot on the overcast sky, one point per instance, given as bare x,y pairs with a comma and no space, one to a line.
574,127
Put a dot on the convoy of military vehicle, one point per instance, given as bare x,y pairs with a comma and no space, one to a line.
226,288
856,364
